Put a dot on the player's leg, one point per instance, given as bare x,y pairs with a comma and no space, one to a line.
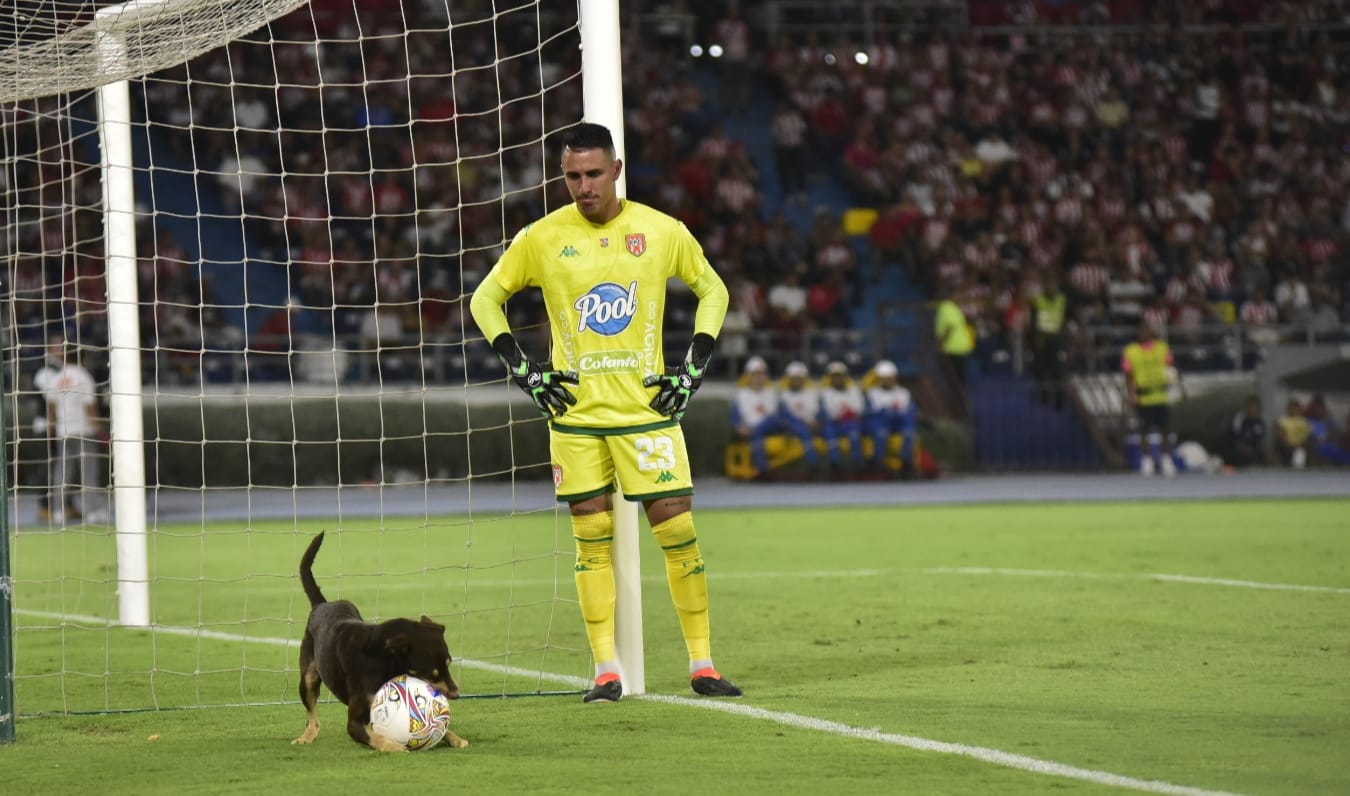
852,430
45,501
759,454
1168,461
877,427
583,475
832,433
803,432
904,424
1154,437
68,460
653,467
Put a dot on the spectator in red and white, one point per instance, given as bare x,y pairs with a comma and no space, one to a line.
1192,316
1217,272
836,255
735,194
790,158
862,166
732,33
828,301
1292,298
1088,283
1157,316
1258,310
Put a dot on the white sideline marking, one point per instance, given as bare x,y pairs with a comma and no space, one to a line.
981,753
1054,573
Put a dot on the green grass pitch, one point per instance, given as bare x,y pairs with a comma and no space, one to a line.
1194,644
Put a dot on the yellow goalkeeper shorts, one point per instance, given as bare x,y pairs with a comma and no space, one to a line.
647,464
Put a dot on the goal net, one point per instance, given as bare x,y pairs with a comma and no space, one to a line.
317,188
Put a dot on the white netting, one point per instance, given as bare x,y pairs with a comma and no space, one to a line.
314,202
59,46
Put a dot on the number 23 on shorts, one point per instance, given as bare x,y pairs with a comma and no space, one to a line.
656,464
655,453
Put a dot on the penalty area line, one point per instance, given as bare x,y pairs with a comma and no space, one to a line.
983,754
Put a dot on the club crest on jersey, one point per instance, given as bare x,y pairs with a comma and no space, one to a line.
637,243
607,308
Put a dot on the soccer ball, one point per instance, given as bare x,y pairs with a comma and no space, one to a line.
410,711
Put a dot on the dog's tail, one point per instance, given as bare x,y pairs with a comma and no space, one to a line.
307,576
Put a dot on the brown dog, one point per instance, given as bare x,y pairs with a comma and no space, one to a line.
354,658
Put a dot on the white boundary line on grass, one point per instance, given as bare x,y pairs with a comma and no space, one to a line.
1054,573
983,754
360,585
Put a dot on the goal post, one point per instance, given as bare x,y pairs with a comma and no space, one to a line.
125,423
602,91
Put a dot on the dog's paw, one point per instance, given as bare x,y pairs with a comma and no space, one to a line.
455,741
381,743
311,732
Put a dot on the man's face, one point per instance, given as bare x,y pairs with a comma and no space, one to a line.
592,177
796,382
56,350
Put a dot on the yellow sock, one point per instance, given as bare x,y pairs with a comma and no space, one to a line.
688,583
594,535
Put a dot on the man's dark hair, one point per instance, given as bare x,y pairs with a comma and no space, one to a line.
588,135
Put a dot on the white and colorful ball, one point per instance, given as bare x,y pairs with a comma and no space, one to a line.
410,711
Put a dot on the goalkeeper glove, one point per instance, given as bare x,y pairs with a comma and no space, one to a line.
679,383
544,385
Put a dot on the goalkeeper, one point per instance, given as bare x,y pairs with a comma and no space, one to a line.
614,408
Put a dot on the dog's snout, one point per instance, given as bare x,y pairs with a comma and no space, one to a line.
450,690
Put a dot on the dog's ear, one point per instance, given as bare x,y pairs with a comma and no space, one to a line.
426,620
399,644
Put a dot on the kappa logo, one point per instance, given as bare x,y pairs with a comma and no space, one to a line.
637,243
665,477
569,251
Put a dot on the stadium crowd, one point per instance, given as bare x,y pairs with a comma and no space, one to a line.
1189,180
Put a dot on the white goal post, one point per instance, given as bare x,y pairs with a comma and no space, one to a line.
602,86
116,54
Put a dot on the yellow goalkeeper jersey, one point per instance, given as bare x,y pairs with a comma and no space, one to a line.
604,288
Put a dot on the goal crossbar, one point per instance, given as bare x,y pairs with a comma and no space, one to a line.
153,35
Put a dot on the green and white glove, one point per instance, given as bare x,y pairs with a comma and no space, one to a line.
678,385
545,386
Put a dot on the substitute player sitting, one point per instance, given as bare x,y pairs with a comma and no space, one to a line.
799,410
603,264
842,406
890,410
754,411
